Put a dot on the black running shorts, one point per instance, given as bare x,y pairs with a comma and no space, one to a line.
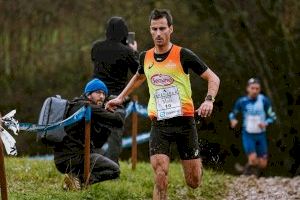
181,130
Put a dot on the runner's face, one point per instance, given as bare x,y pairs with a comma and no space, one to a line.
160,32
97,97
253,90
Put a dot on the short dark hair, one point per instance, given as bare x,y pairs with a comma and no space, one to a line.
161,13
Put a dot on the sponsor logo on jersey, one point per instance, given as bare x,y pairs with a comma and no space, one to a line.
161,80
170,64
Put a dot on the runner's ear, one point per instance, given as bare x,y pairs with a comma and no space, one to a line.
171,29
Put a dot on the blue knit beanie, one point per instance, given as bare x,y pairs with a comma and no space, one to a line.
95,85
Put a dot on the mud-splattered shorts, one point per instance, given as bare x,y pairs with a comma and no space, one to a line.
181,130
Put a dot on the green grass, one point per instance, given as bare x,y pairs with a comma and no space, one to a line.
32,179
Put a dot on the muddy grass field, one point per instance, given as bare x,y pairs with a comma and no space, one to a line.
38,179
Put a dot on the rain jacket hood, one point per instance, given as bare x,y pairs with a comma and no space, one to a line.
117,30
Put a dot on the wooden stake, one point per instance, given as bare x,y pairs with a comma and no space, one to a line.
134,134
3,182
87,142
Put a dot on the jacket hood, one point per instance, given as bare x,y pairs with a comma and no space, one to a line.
117,29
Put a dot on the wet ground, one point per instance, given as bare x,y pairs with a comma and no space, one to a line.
271,188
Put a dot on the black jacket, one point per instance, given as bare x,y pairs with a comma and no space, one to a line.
112,57
101,123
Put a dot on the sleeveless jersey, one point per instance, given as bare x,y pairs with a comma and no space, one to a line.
169,86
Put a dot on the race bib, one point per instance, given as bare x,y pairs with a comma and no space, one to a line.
252,122
168,103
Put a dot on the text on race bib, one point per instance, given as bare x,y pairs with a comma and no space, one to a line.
168,103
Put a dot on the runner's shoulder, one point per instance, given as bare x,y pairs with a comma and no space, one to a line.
185,52
263,96
142,57
265,99
243,99
190,60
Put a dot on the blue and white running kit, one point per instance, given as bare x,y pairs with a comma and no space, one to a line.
254,112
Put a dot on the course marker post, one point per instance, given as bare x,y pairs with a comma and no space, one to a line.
87,142
3,183
134,135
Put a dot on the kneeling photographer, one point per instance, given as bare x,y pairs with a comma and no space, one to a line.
69,154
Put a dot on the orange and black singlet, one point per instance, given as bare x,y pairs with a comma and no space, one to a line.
169,82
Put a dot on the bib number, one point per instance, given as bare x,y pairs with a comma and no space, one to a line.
252,122
168,103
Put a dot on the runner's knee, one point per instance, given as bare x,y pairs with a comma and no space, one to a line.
252,158
194,181
263,162
161,178
193,172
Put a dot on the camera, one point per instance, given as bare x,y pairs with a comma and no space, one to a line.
131,38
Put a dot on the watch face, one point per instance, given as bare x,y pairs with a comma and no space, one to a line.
209,98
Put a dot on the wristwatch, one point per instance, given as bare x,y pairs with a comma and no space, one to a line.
210,98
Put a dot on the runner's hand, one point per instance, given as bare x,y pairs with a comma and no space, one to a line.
205,109
233,123
113,104
262,125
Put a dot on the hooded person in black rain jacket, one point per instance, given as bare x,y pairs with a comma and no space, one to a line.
112,59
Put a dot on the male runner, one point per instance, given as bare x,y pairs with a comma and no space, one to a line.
166,68
257,115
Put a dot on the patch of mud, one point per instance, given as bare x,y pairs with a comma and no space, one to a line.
271,188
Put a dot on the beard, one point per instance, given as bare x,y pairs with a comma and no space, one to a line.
99,103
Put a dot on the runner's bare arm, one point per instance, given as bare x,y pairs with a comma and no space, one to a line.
134,83
213,80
